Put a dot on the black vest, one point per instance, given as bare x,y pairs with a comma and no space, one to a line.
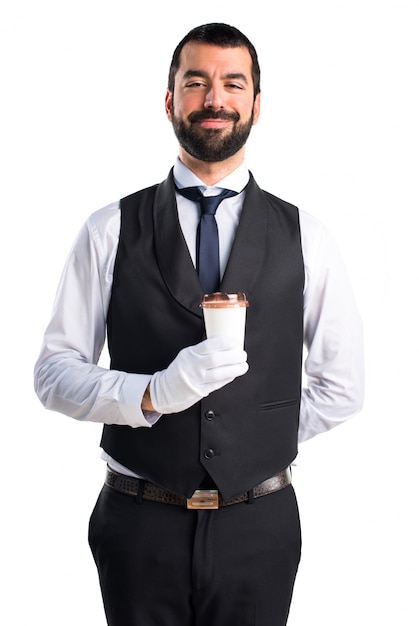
247,431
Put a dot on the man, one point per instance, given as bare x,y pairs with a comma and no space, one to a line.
197,524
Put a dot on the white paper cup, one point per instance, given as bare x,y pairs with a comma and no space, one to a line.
225,314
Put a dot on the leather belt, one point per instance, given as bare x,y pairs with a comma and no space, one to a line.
201,498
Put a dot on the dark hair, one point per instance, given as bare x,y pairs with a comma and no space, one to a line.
221,35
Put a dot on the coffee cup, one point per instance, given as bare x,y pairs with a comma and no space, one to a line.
225,314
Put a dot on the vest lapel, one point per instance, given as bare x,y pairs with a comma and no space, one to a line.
172,252
246,258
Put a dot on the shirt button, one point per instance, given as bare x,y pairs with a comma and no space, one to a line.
208,454
210,415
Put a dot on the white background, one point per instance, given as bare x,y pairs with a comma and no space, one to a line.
83,124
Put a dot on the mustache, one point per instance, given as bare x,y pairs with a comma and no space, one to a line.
210,114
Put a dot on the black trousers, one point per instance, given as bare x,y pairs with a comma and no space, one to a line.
164,565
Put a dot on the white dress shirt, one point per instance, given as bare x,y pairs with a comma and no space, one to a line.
68,379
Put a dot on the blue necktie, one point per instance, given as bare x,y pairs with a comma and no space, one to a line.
207,248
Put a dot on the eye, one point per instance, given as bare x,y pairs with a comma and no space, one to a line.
234,86
195,83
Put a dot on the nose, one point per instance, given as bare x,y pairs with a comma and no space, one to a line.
213,99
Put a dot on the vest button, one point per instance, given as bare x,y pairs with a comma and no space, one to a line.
208,454
210,415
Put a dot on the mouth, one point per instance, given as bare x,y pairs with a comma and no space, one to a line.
214,123
213,119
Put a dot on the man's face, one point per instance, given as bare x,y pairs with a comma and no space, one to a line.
212,107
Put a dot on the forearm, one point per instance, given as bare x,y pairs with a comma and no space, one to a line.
333,336
87,392
146,404
327,402
67,377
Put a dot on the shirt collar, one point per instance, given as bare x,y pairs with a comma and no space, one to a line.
236,181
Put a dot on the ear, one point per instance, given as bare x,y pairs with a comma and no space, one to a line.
168,104
256,109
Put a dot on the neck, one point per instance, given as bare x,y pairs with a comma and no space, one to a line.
211,173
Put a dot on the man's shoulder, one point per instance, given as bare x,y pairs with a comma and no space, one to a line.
273,199
147,193
137,195
279,202
109,216
309,220
104,221
309,224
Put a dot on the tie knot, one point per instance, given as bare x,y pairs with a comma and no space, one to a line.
209,204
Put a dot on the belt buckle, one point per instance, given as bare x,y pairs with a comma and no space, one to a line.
203,499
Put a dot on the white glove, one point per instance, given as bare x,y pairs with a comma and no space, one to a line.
195,373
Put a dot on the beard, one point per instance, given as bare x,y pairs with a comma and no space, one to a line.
211,144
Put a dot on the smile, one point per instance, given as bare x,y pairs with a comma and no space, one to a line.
214,123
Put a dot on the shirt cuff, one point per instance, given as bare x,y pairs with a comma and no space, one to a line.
131,395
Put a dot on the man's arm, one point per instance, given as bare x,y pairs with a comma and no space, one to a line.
67,377
333,336
146,404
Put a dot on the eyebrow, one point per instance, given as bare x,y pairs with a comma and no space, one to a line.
202,74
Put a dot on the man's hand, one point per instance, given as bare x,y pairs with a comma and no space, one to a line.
195,373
